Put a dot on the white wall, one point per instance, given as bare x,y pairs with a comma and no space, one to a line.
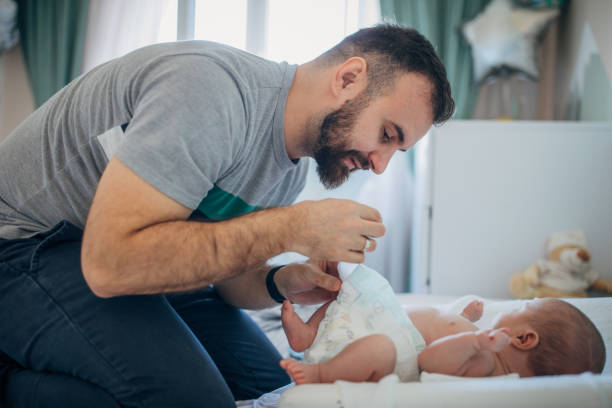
16,101
582,16
597,14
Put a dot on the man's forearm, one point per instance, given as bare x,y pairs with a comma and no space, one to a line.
182,255
136,239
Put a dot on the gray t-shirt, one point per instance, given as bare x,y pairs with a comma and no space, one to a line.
201,122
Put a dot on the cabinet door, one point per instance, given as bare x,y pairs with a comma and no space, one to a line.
496,192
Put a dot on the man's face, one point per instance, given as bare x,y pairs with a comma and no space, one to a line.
364,134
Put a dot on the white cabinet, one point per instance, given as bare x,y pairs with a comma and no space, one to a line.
489,193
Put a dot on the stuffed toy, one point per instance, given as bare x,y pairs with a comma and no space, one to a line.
566,272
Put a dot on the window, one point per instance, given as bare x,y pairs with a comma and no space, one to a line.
168,23
221,21
281,30
298,31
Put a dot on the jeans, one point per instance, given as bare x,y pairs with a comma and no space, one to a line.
60,345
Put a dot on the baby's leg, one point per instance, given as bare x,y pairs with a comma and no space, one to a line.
369,358
473,311
300,334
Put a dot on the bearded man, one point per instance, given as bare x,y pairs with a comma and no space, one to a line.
140,205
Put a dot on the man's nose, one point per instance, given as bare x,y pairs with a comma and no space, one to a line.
380,159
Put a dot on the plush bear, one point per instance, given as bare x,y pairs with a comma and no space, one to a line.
566,272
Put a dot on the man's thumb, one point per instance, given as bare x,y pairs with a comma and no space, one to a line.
331,283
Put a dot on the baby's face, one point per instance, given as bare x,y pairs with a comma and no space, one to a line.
519,316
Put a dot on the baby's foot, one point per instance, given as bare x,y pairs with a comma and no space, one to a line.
299,334
301,373
473,311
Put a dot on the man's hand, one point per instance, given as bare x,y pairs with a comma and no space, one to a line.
308,283
334,230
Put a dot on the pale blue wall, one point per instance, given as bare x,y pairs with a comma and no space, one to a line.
597,97
594,101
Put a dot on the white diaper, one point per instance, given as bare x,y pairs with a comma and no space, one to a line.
367,305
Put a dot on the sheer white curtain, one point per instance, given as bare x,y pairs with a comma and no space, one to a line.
391,194
116,27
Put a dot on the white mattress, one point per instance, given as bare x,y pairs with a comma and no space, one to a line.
586,390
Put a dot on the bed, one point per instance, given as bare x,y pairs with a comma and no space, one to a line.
585,390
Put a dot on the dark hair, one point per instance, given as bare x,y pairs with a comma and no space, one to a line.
391,48
569,341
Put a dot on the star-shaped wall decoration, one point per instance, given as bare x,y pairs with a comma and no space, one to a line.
503,35
8,25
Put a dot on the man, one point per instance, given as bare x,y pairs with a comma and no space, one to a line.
181,162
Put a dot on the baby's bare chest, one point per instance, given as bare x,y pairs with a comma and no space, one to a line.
434,324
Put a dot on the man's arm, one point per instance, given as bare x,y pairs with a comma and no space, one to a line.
306,283
137,240
247,290
467,354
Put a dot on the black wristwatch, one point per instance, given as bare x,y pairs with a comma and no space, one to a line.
272,289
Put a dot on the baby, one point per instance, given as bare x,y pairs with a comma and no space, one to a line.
543,337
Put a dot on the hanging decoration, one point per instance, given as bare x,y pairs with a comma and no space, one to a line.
8,25
504,38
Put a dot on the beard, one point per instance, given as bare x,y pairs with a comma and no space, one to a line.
332,145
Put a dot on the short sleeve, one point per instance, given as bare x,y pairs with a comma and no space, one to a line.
188,125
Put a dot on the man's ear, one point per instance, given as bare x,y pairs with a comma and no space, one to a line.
350,78
526,339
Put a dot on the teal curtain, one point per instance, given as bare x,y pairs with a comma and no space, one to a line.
440,21
52,35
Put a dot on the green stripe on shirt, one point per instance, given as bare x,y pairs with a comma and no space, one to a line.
220,205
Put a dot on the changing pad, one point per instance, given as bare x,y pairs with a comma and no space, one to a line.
585,390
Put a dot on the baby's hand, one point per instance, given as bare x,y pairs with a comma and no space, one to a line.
473,311
494,339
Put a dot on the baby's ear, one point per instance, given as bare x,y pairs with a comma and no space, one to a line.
526,339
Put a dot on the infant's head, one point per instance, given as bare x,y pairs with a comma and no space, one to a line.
559,338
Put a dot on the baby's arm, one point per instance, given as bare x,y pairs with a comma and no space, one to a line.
369,358
473,310
468,354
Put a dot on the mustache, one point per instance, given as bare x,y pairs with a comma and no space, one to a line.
363,162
